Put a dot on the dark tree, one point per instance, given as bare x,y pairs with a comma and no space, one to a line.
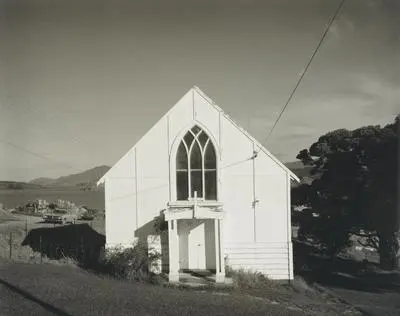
355,190
52,206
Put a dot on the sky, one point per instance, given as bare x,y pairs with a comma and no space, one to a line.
82,81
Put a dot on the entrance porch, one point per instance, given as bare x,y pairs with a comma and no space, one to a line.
195,234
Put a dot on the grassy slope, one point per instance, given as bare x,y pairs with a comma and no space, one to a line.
71,291
62,283
76,292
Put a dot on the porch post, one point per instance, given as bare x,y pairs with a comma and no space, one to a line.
220,269
173,251
222,246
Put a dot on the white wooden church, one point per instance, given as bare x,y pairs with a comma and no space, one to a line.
225,197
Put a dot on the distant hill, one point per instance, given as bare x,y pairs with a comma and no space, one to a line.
43,181
294,165
16,185
85,179
300,170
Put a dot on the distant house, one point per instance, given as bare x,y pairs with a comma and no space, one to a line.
225,198
63,204
41,204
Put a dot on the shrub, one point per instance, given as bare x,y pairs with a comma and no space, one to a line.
160,224
132,263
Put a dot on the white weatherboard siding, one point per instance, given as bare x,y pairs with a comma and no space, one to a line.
180,116
120,201
152,168
268,258
207,115
255,239
237,186
254,230
271,209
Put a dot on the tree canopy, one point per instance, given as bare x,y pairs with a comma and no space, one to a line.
355,190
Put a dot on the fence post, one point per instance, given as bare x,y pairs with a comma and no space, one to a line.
26,227
10,245
40,249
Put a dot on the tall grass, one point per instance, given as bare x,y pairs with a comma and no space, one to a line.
247,279
253,280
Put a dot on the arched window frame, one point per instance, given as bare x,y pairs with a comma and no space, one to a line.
173,163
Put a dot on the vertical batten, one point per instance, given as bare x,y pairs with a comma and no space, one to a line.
169,159
194,106
168,135
220,133
254,196
219,160
107,209
289,229
221,246
217,247
136,189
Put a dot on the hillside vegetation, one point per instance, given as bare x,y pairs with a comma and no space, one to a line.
85,178
16,185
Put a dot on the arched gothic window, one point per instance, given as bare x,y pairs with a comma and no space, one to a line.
196,166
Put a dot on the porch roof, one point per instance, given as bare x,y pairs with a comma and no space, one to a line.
194,212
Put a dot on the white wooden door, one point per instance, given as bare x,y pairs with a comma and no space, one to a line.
197,249
183,230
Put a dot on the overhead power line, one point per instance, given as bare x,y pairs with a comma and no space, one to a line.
21,148
305,69
37,154
44,115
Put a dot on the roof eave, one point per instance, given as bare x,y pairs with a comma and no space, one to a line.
294,177
102,179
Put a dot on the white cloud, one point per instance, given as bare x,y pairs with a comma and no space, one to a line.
373,100
340,26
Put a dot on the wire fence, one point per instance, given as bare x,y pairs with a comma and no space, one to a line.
50,250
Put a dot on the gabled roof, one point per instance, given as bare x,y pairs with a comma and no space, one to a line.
212,103
256,142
